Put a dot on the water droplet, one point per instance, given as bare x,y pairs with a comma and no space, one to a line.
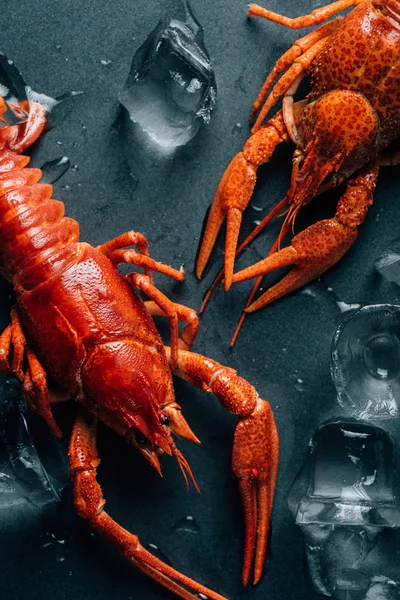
58,545
257,222
74,168
66,187
187,524
237,127
58,47
105,63
59,143
257,208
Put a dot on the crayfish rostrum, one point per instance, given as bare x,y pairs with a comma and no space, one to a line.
341,132
79,325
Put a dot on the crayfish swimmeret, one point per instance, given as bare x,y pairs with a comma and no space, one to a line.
80,322
340,132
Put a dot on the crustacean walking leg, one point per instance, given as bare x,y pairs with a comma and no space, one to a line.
254,461
117,253
33,379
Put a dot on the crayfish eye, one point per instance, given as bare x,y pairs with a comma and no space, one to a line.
165,420
141,439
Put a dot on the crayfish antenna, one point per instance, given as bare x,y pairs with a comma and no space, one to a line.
184,466
284,230
249,239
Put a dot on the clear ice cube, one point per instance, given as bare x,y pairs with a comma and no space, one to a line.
343,498
171,86
16,96
13,92
366,362
353,585
388,263
23,476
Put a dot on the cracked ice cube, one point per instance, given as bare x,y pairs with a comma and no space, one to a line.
23,477
343,498
366,362
171,86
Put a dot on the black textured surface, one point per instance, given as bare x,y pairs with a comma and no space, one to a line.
59,47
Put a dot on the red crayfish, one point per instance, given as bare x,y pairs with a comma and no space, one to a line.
340,131
80,325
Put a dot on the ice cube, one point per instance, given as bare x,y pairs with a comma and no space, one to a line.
13,92
343,498
171,86
17,95
353,585
366,362
23,476
388,263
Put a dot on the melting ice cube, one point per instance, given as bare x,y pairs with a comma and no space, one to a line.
14,108
388,264
343,498
353,585
22,474
171,86
366,362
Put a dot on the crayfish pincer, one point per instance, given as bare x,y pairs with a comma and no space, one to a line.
79,324
340,131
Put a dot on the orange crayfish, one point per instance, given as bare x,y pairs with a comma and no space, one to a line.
340,131
78,324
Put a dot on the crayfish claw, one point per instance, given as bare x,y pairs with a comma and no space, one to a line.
255,464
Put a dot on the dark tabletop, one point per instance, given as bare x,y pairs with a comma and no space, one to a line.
283,350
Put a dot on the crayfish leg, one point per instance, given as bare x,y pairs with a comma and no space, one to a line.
316,17
89,503
34,381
